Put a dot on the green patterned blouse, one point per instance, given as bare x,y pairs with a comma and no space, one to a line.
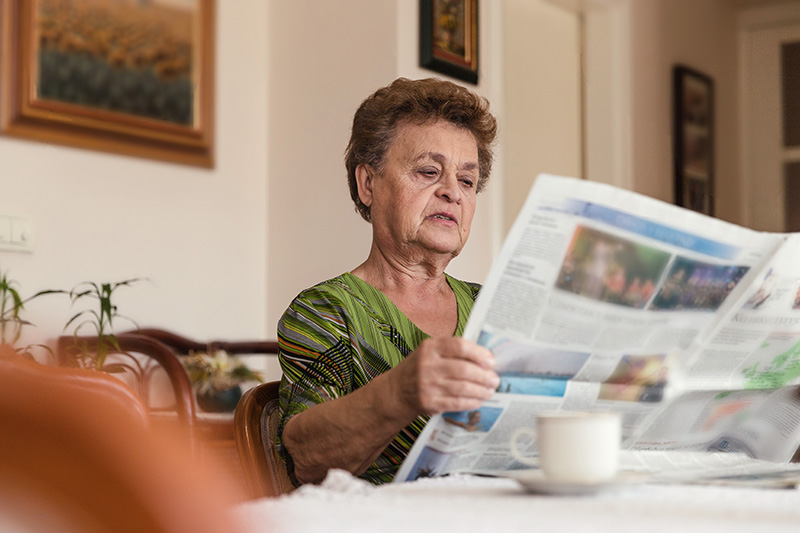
341,334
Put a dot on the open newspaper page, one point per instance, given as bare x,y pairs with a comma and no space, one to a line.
709,468
602,299
740,386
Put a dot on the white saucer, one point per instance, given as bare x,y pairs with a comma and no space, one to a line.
534,481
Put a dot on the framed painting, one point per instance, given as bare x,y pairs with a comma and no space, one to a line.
132,77
448,40
693,94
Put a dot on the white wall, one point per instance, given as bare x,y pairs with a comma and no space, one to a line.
198,235
542,85
701,35
607,92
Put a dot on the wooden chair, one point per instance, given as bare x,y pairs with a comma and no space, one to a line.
140,357
79,455
182,345
255,426
162,350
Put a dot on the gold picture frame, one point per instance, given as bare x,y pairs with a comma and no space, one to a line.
128,77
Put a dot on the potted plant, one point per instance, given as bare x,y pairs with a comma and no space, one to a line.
216,378
11,321
101,318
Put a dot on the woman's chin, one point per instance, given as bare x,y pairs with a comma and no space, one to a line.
443,242
444,249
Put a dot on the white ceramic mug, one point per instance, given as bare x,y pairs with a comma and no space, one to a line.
574,447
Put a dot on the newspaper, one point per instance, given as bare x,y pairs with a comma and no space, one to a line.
606,300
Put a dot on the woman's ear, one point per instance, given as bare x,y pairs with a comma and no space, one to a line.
364,182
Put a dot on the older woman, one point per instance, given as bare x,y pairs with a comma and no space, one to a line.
369,355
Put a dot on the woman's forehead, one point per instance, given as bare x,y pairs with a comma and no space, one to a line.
435,140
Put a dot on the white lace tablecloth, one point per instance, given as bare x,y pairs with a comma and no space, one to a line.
466,503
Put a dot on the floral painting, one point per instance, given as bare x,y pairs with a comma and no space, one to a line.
126,56
133,77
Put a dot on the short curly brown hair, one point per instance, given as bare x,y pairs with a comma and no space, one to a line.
415,101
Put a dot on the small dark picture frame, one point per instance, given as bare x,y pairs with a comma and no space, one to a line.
448,38
693,96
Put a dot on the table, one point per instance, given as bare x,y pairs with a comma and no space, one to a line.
462,503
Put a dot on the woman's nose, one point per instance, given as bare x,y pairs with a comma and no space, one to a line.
448,187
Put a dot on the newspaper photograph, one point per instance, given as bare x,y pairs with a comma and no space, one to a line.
602,299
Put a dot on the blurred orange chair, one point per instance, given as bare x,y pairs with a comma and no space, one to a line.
78,454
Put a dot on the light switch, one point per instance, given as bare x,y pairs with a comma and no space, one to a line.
5,230
16,234
19,231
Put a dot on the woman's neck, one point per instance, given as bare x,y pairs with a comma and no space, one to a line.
393,273
420,291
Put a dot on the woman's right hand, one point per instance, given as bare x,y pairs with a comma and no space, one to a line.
445,374
350,432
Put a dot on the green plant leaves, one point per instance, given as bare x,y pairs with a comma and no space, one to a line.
101,317
11,307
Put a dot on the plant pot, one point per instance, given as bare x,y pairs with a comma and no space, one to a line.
219,401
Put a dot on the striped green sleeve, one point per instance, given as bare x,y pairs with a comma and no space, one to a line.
339,335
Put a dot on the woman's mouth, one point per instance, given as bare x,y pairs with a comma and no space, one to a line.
443,216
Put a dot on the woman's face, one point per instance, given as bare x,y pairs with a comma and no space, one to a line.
424,200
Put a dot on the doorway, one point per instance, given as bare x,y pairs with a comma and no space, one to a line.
770,51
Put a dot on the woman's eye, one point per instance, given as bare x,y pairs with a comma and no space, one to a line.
430,172
468,182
